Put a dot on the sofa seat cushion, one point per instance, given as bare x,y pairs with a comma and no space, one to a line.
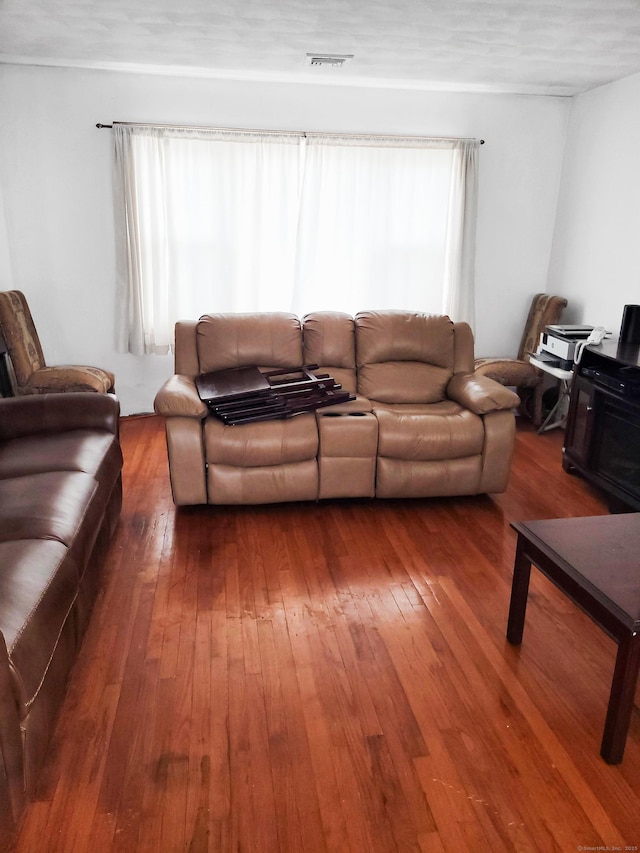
94,452
38,588
265,443
51,505
425,432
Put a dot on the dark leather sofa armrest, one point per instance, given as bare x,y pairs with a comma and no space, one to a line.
59,412
12,797
481,394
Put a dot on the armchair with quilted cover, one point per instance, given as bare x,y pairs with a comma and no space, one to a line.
518,372
28,372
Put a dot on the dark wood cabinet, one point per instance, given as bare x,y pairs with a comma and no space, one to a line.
602,438
579,424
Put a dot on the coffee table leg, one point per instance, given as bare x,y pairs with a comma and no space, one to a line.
519,594
621,699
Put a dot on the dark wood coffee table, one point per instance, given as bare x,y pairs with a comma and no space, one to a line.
596,562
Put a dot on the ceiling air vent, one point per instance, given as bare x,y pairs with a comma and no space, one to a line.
334,60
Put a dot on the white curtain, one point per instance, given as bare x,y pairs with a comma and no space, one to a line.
205,221
235,221
458,295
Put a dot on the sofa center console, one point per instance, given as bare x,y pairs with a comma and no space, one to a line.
602,440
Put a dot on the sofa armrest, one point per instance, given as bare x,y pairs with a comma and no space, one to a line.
20,416
179,397
481,394
12,795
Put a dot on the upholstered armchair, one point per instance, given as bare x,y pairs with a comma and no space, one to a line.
517,372
28,372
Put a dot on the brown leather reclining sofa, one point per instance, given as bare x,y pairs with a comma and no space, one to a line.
60,499
421,425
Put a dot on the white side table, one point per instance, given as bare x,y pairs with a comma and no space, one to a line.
557,417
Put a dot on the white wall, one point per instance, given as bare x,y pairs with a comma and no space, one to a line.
595,260
6,274
55,170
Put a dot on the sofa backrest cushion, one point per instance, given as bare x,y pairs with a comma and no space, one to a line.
403,356
329,341
266,339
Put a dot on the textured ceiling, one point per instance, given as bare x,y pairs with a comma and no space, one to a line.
529,46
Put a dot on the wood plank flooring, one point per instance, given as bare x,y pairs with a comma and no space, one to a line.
334,678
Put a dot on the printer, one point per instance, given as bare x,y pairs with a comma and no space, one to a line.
558,344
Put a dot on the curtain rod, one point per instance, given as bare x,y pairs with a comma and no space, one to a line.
275,132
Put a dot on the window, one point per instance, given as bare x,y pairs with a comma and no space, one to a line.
211,220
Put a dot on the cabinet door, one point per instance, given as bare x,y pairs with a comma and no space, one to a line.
578,435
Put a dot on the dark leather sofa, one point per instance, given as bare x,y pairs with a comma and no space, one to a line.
60,500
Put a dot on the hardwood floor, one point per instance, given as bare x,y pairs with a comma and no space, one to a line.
334,677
